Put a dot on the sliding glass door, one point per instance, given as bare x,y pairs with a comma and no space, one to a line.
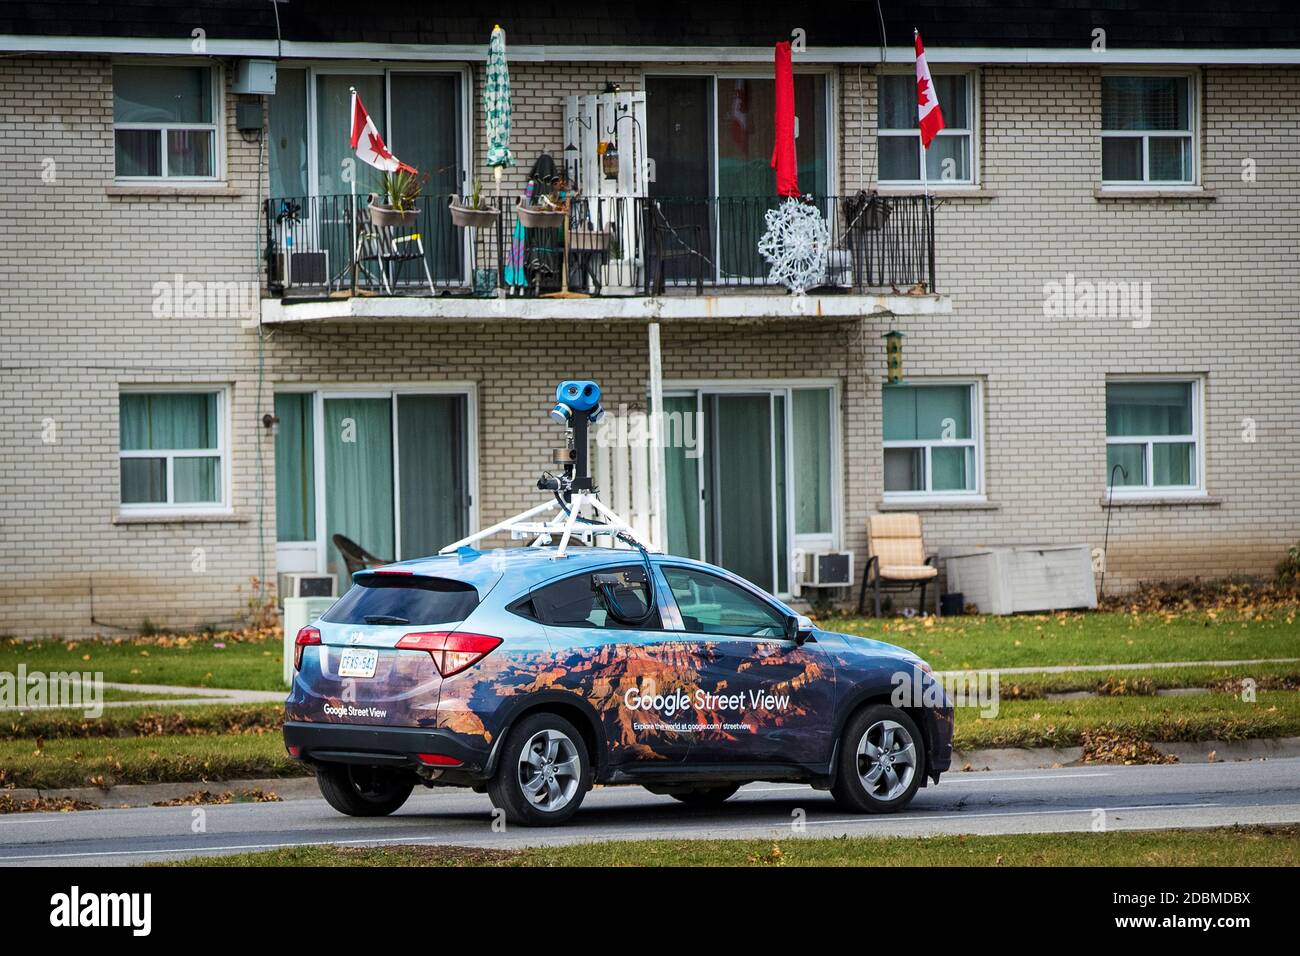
763,482
391,471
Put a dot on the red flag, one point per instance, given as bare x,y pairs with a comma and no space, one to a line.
927,100
784,159
369,145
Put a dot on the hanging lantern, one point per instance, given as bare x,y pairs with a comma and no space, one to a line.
894,356
608,159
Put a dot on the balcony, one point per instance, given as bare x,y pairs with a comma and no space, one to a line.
620,257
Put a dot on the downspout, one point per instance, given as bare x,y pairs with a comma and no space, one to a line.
656,439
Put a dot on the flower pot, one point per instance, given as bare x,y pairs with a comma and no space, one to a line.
589,240
469,218
386,216
534,217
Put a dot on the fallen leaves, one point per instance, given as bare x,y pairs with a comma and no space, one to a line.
1109,747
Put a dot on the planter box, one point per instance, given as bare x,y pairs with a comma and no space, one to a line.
386,217
469,218
1023,578
535,218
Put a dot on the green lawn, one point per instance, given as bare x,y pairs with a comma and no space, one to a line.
250,665
1229,846
144,720
99,761
983,641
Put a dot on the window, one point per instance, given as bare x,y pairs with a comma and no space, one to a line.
712,605
931,439
950,158
403,599
172,449
165,122
612,598
1146,124
1153,435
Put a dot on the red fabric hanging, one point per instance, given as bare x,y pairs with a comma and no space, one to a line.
784,159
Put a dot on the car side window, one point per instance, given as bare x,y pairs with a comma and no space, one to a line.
613,598
713,605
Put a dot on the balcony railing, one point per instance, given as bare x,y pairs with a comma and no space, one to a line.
326,245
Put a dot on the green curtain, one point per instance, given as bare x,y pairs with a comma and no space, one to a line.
358,435
682,476
426,133
334,129
432,472
169,421
952,468
1148,408
1173,463
779,490
144,481
918,412
288,134
740,489
295,467
811,414
1133,460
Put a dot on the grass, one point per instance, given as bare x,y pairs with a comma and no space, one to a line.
144,721
1121,682
183,661
1040,640
1228,846
103,762
1064,723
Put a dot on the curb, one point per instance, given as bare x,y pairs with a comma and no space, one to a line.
1045,758
147,794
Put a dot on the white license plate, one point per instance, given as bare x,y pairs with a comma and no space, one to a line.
357,662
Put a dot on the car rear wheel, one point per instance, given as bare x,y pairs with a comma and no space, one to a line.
543,773
706,796
881,761
363,791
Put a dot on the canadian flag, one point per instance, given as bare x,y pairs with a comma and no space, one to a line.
927,101
369,145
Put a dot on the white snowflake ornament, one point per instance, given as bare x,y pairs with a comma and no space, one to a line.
797,244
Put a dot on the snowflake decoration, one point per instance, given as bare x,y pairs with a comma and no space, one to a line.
797,243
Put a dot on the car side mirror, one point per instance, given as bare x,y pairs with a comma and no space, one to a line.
794,630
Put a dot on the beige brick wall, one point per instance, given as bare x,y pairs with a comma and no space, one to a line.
76,323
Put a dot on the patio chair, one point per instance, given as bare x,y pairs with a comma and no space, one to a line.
665,243
387,246
356,557
896,559
865,216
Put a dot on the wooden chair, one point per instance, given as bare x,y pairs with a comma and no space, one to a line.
356,557
896,559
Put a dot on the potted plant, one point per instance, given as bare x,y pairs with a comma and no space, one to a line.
474,212
395,203
551,209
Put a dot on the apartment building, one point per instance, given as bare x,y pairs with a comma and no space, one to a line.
209,370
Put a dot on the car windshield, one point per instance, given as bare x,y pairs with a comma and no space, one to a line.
403,599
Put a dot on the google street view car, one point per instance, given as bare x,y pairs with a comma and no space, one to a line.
534,672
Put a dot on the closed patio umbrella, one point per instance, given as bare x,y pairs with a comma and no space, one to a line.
496,112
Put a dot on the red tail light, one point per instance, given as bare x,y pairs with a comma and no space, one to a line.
451,652
307,635
438,760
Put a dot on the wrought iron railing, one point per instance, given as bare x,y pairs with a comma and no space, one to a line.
617,245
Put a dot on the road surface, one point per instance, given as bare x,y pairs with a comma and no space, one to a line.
1030,801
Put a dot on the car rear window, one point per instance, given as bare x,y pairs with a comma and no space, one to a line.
403,599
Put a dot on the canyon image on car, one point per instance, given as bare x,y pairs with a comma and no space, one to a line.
532,676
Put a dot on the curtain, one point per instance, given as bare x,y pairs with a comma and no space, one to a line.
433,476
811,414
740,493
682,476
162,94
358,439
288,134
334,129
952,468
295,468
780,493
168,421
920,413
426,133
1148,408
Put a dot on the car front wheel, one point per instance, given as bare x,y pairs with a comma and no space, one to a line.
363,791
881,761
543,775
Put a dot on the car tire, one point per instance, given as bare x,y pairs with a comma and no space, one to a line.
866,783
544,772
706,796
363,791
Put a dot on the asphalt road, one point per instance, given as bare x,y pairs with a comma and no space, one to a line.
1030,801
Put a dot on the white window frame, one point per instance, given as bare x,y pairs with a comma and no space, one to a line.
971,132
171,508
1150,490
1193,133
820,541
216,126
313,556
976,441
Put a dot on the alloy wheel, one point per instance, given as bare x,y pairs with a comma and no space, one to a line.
549,770
886,760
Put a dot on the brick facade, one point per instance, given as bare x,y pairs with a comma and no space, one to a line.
80,263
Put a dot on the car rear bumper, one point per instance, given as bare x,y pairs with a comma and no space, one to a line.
385,746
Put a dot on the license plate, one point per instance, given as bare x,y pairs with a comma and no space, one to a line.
357,662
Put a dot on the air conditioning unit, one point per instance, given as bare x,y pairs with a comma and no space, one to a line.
297,584
827,569
300,269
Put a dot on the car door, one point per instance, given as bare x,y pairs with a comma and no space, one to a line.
764,697
629,670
